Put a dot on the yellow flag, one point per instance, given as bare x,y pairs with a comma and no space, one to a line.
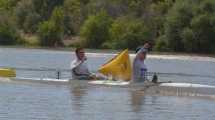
119,67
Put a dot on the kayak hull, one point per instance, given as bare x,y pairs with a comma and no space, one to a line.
164,84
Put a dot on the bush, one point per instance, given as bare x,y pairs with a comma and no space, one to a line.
27,18
8,32
178,18
204,32
161,44
31,23
190,26
128,33
95,30
47,32
51,32
72,21
190,44
7,36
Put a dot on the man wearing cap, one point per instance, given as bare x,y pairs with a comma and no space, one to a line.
139,67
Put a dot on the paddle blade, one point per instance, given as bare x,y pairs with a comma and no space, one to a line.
4,72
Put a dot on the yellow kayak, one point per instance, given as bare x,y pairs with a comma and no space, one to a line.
119,68
5,72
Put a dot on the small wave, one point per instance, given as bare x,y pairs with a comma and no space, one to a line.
202,91
186,85
39,80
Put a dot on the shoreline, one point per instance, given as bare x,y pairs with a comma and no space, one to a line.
110,51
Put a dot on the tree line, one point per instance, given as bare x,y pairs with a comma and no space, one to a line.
170,25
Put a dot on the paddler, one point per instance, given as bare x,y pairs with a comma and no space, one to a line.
147,46
80,70
79,67
139,67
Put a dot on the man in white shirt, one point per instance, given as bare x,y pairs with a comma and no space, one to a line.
79,66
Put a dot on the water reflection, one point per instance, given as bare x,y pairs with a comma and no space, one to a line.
137,100
78,91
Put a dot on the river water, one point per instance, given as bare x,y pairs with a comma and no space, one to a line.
80,101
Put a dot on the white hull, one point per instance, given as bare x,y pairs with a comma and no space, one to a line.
112,83
125,83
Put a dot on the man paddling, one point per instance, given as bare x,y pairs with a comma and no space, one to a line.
80,70
139,67
79,66
147,46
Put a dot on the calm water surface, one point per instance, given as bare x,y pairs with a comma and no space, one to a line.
81,101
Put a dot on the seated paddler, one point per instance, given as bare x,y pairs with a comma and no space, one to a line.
79,67
139,67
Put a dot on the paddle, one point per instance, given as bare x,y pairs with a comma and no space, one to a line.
6,72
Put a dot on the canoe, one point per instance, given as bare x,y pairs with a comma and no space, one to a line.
149,84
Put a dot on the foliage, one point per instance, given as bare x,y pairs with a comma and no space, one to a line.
190,26
51,32
72,20
8,32
95,30
161,44
128,33
172,25
27,18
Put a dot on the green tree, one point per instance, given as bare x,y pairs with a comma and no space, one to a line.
32,12
161,44
203,27
95,30
8,4
128,33
8,31
190,26
51,32
178,18
27,18
45,7
72,20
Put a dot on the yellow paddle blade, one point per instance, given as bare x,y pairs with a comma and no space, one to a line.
4,72
119,67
